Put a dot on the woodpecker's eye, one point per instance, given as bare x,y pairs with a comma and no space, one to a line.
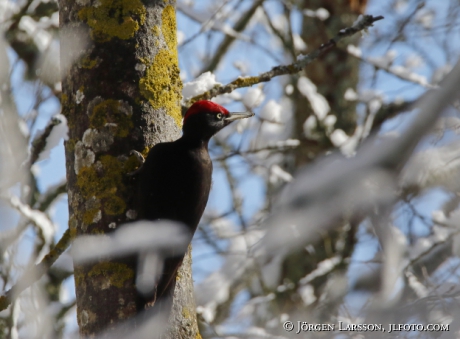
219,116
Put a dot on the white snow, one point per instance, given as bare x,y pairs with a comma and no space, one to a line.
280,23
406,74
203,83
350,94
180,37
39,218
309,127
210,19
215,289
358,21
41,37
7,9
320,13
286,143
307,293
330,121
323,268
374,106
384,61
425,18
227,98
271,111
416,285
413,61
253,97
278,174
299,43
318,103
60,131
355,51
23,128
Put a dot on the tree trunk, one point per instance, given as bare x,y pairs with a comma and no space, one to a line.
121,92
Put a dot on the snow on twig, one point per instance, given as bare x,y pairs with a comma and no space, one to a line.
300,64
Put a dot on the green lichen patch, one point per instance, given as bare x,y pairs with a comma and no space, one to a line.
89,216
70,145
161,85
114,18
132,163
64,99
79,275
104,182
112,111
114,205
88,63
117,274
73,224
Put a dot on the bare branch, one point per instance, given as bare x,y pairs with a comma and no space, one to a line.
398,71
225,44
40,141
33,274
280,146
304,60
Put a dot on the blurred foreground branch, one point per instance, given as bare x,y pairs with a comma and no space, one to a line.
338,186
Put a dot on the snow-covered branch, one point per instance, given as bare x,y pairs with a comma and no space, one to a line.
365,22
333,187
278,146
398,71
48,139
34,273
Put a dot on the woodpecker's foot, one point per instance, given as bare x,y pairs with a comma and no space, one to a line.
141,160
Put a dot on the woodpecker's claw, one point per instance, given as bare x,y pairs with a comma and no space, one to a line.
141,160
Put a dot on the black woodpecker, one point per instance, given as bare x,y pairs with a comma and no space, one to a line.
175,180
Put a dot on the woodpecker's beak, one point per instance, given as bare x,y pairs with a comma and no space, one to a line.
232,116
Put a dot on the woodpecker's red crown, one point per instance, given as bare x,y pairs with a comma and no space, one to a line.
205,106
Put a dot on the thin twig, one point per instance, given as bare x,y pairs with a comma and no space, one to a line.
304,60
272,148
39,143
33,274
228,40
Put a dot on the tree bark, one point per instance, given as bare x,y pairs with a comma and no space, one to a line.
121,92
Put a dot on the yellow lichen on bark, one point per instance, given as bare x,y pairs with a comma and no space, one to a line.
114,18
246,81
161,85
112,111
105,184
115,274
